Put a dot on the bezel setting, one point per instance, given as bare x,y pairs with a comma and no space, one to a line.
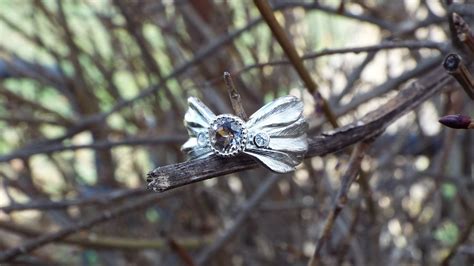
232,125
261,140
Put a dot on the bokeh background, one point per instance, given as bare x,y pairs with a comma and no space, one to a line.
92,96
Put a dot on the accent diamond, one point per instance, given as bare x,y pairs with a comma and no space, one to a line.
201,140
261,140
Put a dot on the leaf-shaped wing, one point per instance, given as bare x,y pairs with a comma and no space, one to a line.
282,120
196,120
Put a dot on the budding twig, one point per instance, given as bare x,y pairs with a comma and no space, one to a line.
234,96
457,121
456,68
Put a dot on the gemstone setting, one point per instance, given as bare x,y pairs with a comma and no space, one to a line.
227,135
202,140
261,140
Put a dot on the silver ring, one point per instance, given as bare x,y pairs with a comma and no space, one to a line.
275,135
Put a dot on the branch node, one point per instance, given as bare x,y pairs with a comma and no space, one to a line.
455,67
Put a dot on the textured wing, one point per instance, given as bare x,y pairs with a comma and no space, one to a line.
197,120
283,122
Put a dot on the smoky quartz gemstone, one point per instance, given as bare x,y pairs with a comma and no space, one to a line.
227,135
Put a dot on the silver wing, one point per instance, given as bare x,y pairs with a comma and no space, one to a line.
282,120
197,120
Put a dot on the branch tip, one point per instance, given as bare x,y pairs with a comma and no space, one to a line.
454,65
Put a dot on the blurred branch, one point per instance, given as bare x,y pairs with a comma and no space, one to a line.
25,153
353,78
391,84
347,179
203,53
100,199
336,11
248,207
366,49
182,253
180,174
295,59
463,32
12,97
93,240
104,216
136,31
362,49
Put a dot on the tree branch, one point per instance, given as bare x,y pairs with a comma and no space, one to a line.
106,215
341,198
294,57
107,242
180,174
247,209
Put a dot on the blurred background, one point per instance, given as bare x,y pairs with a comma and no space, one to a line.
92,96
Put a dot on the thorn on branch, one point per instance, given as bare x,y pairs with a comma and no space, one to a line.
458,121
456,68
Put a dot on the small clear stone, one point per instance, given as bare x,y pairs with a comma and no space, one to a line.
227,135
201,140
261,140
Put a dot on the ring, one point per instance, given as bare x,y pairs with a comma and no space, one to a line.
275,135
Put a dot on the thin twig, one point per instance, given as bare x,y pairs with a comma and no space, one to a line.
391,84
181,252
316,5
353,50
237,223
49,205
341,198
234,97
207,51
292,54
105,215
24,153
100,241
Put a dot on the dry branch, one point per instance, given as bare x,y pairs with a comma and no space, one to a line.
105,215
293,56
341,197
106,242
180,174
237,223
